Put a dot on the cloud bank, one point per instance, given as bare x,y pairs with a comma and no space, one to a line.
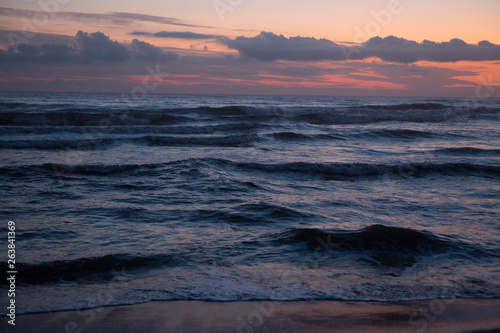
268,46
85,48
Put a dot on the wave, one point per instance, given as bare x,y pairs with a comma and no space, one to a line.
81,144
147,129
14,105
368,116
273,211
159,137
353,170
386,246
293,136
67,116
232,110
468,151
60,170
409,106
329,171
46,234
219,141
363,114
401,134
93,270
240,140
253,213
240,135
128,117
89,118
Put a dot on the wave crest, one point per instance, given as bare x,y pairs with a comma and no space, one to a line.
387,246
92,269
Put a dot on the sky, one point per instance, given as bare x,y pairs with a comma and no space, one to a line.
446,48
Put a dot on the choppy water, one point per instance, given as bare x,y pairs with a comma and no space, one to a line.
120,200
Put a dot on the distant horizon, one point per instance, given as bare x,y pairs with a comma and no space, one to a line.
238,94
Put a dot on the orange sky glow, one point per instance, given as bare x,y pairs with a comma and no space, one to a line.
198,43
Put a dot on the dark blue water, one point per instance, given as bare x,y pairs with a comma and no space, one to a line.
120,200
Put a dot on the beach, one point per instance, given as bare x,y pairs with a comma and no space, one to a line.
448,315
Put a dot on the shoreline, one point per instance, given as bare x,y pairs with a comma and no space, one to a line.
443,315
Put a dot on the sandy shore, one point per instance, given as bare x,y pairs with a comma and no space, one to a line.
319,316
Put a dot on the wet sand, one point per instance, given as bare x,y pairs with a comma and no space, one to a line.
460,315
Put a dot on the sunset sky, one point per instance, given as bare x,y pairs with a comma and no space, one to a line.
324,47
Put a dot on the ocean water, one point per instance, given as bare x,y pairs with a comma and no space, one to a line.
122,200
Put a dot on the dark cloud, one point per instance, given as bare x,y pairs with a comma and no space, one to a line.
98,46
115,17
37,53
174,34
85,48
485,43
404,51
270,47
148,52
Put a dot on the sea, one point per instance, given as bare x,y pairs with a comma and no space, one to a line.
123,199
